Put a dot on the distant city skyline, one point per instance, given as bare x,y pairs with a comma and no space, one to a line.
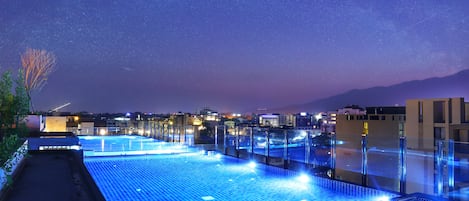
169,56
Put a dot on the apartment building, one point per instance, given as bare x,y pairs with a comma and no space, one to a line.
431,125
269,120
367,147
329,119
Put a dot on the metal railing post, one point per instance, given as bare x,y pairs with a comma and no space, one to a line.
333,154
216,138
403,165
450,165
285,149
307,148
251,136
364,160
225,150
267,146
237,141
439,168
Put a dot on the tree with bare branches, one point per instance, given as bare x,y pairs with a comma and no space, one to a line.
37,66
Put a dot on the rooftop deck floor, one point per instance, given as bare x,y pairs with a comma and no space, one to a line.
51,176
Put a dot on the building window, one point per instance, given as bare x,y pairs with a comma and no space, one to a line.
401,129
420,111
450,114
439,112
383,118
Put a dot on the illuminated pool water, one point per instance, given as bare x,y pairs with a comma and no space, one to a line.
127,145
198,176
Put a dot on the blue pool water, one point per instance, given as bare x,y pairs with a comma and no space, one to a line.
197,176
127,145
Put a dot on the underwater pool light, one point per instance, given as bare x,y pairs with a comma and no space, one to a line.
252,164
303,178
382,198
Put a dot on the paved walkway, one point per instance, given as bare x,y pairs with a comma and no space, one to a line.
52,176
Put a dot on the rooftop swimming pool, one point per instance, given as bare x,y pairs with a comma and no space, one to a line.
209,176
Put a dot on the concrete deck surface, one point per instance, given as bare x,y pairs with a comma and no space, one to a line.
49,176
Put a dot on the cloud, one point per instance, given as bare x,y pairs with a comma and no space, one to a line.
127,69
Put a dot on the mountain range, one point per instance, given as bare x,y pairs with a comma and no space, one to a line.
456,85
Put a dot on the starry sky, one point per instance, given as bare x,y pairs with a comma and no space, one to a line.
168,56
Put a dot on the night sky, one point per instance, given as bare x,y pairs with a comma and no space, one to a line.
169,56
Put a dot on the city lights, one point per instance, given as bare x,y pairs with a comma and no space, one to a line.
251,100
318,116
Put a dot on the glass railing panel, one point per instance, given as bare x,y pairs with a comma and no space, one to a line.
259,144
457,159
320,159
421,166
176,134
349,158
219,138
383,161
166,134
188,137
244,142
277,147
297,140
230,143
296,148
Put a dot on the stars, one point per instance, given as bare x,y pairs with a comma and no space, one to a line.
240,44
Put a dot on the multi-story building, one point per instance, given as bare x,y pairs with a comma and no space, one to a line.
367,147
86,128
286,120
351,109
72,124
436,119
370,149
55,124
431,124
303,120
269,120
329,119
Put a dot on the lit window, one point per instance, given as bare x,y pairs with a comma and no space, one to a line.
365,128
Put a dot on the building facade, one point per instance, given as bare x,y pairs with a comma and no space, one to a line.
431,124
55,124
367,147
269,120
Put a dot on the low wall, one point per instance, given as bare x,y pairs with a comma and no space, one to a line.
88,181
11,167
